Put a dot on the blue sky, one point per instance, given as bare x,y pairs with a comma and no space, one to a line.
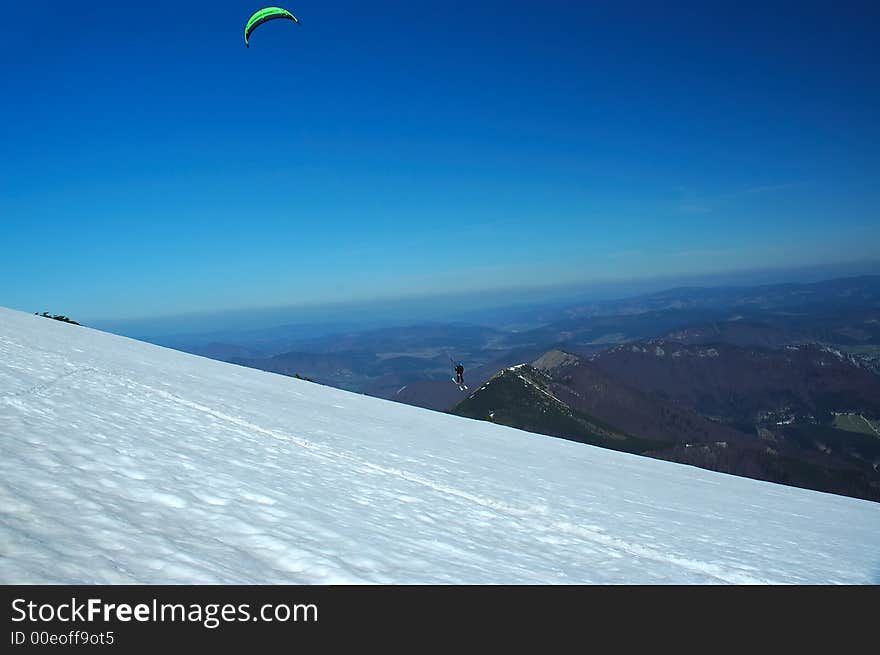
153,165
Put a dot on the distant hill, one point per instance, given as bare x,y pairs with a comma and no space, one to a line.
567,396
747,386
523,397
623,407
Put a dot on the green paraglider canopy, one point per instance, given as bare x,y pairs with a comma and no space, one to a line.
263,16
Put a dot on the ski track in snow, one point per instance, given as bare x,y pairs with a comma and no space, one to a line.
123,462
37,388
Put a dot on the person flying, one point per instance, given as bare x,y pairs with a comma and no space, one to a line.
459,373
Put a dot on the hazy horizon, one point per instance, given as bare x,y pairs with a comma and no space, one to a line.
486,307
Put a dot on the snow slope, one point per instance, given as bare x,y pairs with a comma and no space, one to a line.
123,462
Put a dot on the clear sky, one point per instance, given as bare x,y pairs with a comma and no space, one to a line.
151,164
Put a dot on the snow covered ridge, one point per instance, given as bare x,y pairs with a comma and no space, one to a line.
123,462
660,348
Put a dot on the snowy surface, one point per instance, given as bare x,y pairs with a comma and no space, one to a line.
123,462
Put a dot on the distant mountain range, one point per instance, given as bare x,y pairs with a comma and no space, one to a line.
834,295
844,313
741,386
777,382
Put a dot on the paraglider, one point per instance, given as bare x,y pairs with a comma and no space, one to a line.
263,16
